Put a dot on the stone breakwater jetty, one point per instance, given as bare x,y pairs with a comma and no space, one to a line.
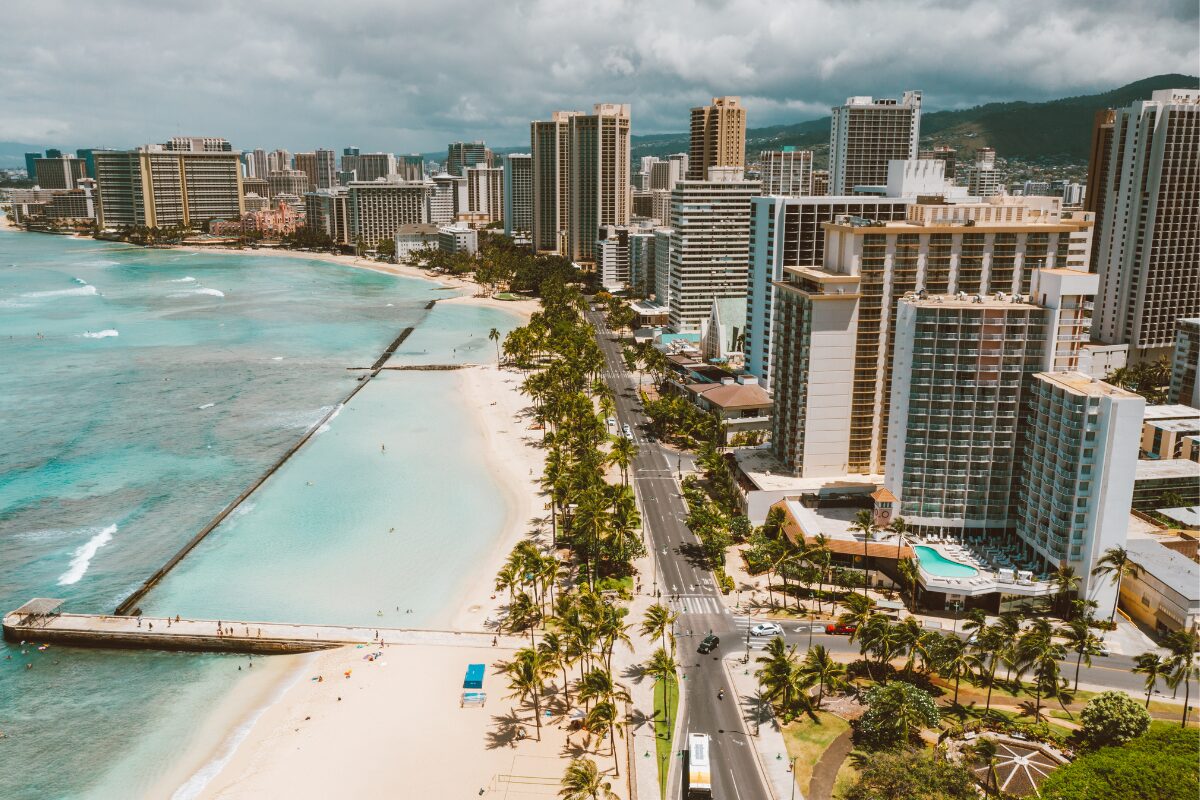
40,622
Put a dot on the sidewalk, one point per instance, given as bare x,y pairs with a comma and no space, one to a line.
765,735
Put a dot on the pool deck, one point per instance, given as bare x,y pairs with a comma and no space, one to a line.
985,581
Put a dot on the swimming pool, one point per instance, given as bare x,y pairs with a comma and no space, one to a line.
937,564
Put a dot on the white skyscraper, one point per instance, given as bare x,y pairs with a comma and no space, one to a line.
865,134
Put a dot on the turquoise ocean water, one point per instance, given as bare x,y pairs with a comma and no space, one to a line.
140,391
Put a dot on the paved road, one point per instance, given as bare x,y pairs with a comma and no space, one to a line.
689,589
680,575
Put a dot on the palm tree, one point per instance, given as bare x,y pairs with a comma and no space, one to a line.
1037,651
778,676
524,614
1066,583
909,577
991,647
554,646
1116,562
494,335
582,781
952,660
819,555
1184,667
1153,666
819,667
593,521
898,527
527,673
604,719
662,667
659,622
864,523
859,610
1081,641
883,639
984,749
622,454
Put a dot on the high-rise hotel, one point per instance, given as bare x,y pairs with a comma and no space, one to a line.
718,137
580,178
865,134
1149,245
833,326
187,181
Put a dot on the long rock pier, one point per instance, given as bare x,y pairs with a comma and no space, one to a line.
34,624
130,604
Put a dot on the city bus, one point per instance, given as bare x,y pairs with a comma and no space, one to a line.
699,769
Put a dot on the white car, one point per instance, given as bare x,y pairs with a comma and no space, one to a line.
611,422
767,629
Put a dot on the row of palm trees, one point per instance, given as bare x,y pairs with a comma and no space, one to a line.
1181,667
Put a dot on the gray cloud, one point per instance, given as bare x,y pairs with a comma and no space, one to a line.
411,76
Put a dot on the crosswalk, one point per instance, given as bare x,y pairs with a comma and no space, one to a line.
743,624
684,604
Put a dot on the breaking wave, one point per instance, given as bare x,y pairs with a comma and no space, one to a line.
105,334
84,555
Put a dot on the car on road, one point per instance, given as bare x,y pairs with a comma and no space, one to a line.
611,422
1102,649
767,629
835,629
708,644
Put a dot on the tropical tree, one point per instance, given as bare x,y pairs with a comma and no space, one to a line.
604,720
527,674
819,668
622,454
1184,666
1081,641
1066,584
991,647
1111,718
662,667
659,623
895,711
778,676
1037,652
1117,563
952,660
859,610
984,749
494,335
582,780
1153,666
864,523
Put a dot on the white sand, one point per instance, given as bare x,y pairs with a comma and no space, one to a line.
398,730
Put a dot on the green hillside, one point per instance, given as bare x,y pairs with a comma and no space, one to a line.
1016,129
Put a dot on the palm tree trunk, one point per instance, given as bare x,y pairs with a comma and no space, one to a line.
612,735
1078,661
991,681
1187,694
957,678
1113,617
537,709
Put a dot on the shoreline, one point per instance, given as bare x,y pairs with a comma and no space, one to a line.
255,754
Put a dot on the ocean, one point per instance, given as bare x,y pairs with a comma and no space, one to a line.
141,391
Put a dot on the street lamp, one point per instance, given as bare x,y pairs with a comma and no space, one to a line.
792,769
957,606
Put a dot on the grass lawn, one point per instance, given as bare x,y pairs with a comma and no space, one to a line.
806,740
847,776
664,749
508,296
1058,732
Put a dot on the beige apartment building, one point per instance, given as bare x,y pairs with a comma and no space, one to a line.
833,327
156,186
718,137
377,209
1149,260
549,143
786,172
597,176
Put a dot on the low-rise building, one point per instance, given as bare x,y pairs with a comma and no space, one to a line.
458,238
1185,363
1165,594
1165,482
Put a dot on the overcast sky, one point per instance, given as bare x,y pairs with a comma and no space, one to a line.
411,75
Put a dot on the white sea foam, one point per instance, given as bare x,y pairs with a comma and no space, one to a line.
78,291
80,281
202,290
84,555
203,776
100,262
187,279
332,417
104,334
277,358
206,405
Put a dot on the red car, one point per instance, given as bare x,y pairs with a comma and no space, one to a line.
840,630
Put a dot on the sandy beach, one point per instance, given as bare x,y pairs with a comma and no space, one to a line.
400,714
